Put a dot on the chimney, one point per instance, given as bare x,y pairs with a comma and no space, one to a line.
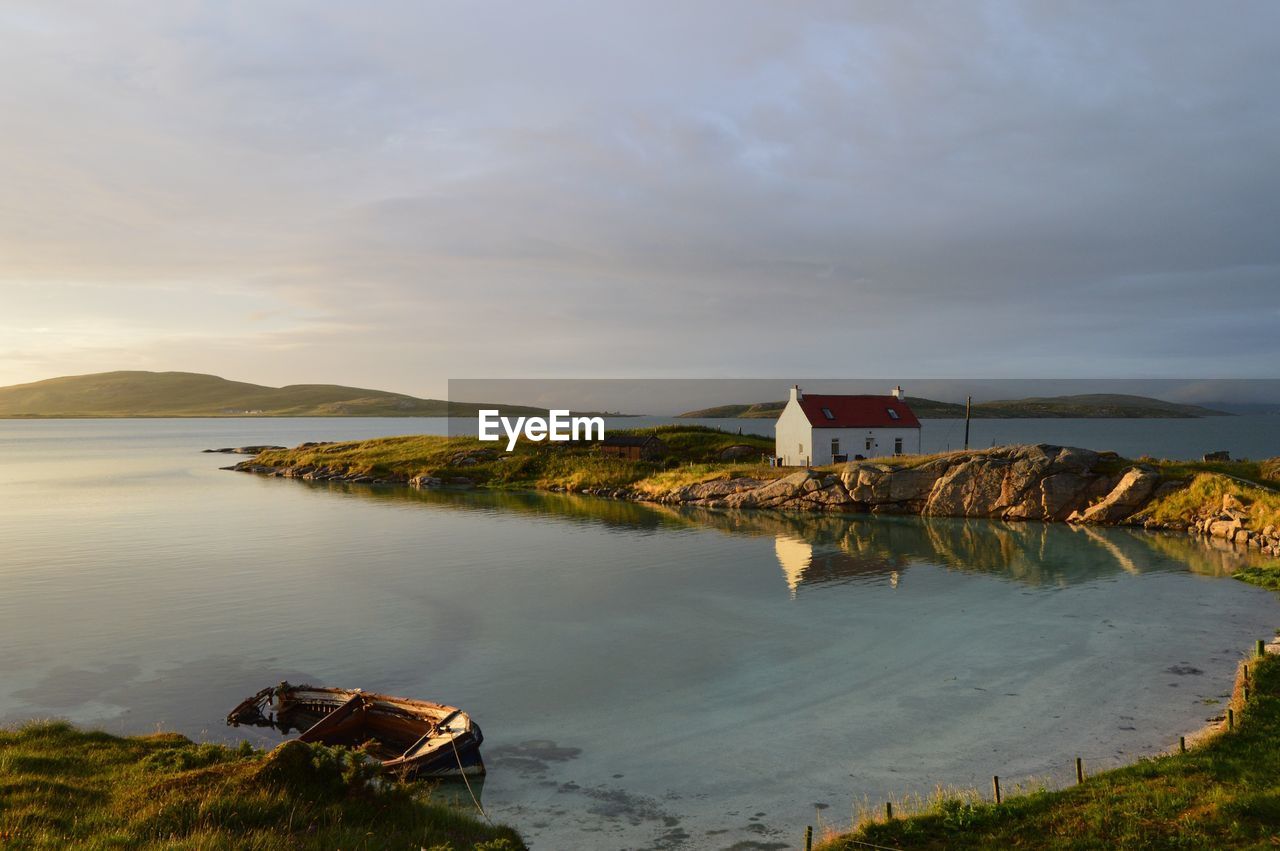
796,395
897,393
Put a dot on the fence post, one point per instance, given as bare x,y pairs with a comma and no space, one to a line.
1262,648
1079,770
995,784
1182,744
1231,718
808,838
888,810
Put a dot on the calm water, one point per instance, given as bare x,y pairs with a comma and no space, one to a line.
645,677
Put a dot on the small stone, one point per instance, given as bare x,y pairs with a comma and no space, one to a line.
425,481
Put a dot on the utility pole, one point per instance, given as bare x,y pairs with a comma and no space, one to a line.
968,408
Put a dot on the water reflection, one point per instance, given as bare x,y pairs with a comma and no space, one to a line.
816,549
804,562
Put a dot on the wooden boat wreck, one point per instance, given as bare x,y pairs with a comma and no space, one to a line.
412,738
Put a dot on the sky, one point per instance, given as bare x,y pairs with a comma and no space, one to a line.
394,194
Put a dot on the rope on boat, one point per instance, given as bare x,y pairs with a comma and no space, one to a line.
453,742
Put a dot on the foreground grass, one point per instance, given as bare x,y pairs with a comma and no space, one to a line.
1222,794
63,788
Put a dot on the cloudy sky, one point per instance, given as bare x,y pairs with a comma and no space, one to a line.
392,194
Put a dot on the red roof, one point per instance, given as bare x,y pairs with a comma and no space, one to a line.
857,412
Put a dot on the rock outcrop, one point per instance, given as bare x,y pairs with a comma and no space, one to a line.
1129,495
1038,482
313,473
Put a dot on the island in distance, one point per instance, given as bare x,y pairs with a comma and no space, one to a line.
1091,405
191,394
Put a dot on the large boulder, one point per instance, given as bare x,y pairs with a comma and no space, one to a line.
1049,482
867,482
425,481
913,484
716,490
805,489
1076,460
784,490
1034,482
970,489
1129,495
1225,529
877,486
1054,497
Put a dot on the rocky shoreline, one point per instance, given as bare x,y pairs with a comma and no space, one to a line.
1038,482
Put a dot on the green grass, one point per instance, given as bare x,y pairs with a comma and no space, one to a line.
530,465
1204,496
1225,793
1251,471
694,474
64,788
1262,575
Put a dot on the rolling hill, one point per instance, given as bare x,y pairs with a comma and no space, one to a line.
1091,406
190,394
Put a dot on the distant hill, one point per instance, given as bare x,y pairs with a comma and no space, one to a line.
735,412
191,394
1091,406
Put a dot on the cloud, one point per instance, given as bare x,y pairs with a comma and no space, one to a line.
631,189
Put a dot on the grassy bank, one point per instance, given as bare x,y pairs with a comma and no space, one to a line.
534,465
64,788
691,454
1225,793
1205,495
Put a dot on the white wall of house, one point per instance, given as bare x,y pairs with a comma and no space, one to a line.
854,442
797,443
792,435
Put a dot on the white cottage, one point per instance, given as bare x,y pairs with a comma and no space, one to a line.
820,429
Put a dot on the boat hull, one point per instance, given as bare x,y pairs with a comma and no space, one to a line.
411,738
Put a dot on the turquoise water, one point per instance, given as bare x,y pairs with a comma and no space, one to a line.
646,677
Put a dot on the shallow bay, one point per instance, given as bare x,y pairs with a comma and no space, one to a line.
644,676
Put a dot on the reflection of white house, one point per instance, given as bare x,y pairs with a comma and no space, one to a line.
816,430
795,556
